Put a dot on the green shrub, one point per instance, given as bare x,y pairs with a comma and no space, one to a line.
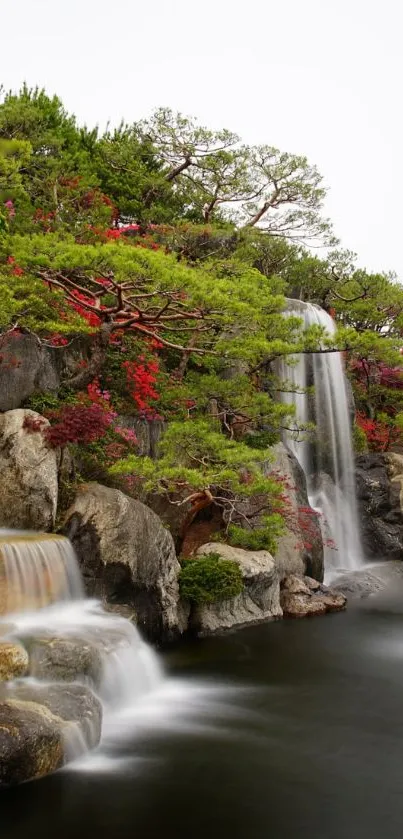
360,443
209,578
262,538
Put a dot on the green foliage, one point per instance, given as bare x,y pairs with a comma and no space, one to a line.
200,296
198,464
264,537
209,578
27,300
359,440
43,402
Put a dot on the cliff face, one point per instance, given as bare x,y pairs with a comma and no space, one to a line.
379,482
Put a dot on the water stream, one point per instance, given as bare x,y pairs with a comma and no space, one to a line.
42,603
326,456
292,729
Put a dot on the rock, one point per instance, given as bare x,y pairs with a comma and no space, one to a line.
384,577
300,605
69,704
29,367
14,661
26,366
79,657
295,585
127,557
379,483
42,726
258,602
300,549
301,598
313,585
65,660
31,744
148,433
28,474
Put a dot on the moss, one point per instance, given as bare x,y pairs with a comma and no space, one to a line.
209,578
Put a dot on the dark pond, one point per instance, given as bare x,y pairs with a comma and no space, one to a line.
293,729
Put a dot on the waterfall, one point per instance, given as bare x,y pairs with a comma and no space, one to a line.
326,455
36,570
42,604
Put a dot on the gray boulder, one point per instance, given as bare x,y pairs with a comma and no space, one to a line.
13,661
127,557
303,597
27,366
66,659
28,474
379,482
148,433
258,602
42,727
300,549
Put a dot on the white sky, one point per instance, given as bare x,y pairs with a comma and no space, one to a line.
317,77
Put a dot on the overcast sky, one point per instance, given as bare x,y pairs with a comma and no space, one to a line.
317,77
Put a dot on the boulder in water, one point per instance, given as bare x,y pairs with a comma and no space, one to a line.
373,580
127,557
258,602
28,474
302,597
42,727
66,659
31,744
14,661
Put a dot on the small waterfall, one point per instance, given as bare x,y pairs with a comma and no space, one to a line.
36,570
42,604
326,456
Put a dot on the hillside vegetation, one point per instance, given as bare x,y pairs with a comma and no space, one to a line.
169,249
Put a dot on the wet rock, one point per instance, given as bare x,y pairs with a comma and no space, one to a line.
65,660
295,585
31,743
371,581
300,599
14,661
379,482
301,605
258,602
127,557
40,724
71,705
313,585
300,549
28,474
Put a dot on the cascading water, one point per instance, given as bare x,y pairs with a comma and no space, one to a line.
42,605
35,570
326,456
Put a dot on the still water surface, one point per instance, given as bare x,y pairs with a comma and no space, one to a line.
289,730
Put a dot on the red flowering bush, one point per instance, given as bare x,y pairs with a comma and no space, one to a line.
141,379
78,424
380,435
